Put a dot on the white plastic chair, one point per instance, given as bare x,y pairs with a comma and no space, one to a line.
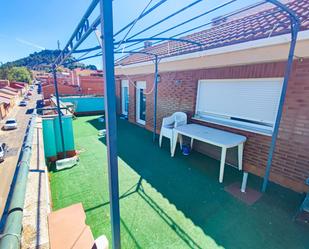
175,120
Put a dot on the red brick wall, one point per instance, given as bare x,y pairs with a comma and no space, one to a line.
291,159
118,95
91,85
132,94
49,90
63,80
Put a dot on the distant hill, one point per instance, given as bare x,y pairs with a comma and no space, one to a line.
42,61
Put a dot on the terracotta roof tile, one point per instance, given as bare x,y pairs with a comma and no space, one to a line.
261,24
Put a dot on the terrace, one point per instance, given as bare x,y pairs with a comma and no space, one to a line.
172,202
178,202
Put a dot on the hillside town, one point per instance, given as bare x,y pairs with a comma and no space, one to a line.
70,82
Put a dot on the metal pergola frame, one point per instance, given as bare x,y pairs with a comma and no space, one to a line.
105,20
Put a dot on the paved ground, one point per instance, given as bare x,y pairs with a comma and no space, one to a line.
36,208
13,139
173,203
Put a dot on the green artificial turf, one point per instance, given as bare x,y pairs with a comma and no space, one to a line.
172,202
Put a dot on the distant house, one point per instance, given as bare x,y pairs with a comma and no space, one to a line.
77,73
43,77
9,99
233,83
16,90
91,85
4,83
48,90
4,107
10,91
20,86
76,82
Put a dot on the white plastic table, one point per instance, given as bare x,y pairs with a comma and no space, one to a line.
212,136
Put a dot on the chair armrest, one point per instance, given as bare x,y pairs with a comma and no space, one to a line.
168,120
180,122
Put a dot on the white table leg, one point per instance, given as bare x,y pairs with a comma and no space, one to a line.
171,144
244,182
191,144
175,138
160,139
240,155
222,164
180,141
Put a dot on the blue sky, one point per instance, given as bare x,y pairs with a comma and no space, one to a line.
32,25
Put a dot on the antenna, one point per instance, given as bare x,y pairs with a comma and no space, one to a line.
58,44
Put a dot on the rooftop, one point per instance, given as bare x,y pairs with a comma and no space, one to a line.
261,24
159,210
4,100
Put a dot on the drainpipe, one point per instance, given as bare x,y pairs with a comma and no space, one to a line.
10,238
155,99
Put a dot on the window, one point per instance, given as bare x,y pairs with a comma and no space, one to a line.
140,102
125,97
249,104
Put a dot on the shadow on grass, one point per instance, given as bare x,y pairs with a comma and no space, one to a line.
191,184
137,245
138,189
126,194
168,220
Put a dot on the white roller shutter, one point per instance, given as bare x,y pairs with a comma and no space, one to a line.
251,100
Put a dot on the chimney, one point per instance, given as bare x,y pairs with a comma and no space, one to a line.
147,44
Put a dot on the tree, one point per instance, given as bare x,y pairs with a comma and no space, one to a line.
91,67
42,61
4,71
19,74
